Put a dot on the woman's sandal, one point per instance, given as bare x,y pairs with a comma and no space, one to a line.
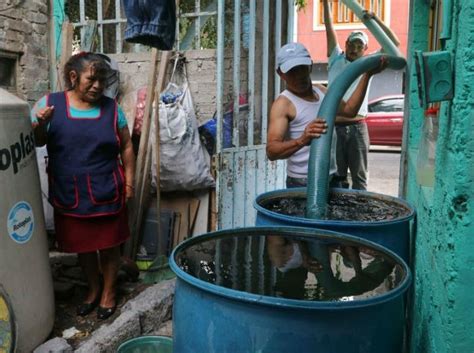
105,313
86,308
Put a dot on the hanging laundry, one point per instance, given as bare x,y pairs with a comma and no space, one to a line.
151,22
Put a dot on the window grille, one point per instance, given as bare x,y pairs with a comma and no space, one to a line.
197,24
342,16
109,18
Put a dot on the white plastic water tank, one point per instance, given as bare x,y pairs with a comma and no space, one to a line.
25,275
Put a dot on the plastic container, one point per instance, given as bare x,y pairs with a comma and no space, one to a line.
393,234
234,293
25,272
147,344
425,161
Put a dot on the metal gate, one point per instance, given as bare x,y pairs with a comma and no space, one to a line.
248,34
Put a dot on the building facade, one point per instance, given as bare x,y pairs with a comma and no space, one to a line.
311,32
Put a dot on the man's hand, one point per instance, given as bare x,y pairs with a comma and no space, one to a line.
313,130
44,115
368,15
382,66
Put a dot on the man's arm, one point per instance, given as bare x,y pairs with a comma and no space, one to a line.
277,146
350,108
393,37
331,36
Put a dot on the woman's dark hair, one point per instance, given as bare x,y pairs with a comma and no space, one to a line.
80,61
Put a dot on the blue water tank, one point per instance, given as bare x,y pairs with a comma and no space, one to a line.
287,289
392,233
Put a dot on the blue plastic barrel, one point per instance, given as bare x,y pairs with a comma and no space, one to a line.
393,234
287,289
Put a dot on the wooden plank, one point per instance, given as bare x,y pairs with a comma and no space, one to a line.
193,212
201,224
179,203
67,33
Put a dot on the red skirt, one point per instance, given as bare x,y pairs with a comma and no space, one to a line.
80,235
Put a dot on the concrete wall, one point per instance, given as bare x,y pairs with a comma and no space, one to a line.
24,30
444,264
201,66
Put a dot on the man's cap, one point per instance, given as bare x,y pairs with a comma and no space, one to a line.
358,35
291,55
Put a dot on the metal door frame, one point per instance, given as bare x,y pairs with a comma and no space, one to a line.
247,166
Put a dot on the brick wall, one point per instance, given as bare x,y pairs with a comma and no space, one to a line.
24,31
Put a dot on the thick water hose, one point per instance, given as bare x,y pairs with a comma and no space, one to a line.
320,151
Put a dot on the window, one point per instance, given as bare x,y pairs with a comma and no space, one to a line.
435,26
8,71
196,23
344,17
387,106
100,23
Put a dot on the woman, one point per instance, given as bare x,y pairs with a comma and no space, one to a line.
91,168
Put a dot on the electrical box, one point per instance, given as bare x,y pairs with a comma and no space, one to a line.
435,76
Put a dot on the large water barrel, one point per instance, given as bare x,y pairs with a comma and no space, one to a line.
392,232
25,275
287,289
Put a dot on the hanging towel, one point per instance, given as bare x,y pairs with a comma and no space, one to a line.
151,22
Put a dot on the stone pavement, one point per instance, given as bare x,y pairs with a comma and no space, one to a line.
143,310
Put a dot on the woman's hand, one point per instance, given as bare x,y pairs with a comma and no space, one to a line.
44,115
313,130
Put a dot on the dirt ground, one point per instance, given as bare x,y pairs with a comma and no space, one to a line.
70,290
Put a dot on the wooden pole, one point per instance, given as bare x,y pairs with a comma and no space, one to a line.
135,212
142,179
165,58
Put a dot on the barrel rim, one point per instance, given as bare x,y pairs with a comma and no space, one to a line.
310,222
284,302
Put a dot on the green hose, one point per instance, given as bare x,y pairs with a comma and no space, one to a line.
320,151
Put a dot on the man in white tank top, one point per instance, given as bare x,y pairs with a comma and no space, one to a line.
352,133
294,118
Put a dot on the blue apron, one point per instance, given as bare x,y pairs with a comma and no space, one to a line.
84,170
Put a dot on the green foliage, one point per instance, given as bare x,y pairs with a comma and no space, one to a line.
300,4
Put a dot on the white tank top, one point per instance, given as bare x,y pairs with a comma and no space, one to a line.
297,164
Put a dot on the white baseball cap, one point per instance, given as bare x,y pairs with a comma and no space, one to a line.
291,55
358,35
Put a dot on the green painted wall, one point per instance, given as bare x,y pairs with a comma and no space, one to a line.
443,307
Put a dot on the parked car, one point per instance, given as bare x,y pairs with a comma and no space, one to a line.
385,120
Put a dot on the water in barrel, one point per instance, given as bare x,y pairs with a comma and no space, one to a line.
302,268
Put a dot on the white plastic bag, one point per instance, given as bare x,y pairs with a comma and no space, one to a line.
183,163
